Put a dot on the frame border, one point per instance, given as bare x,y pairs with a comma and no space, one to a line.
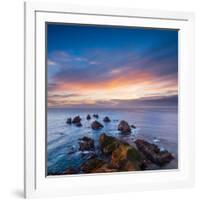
30,11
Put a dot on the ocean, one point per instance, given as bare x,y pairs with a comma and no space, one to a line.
157,125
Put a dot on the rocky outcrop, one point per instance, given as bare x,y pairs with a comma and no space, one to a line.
88,117
71,171
123,156
108,143
69,120
153,153
91,165
96,125
76,120
126,158
106,119
86,144
124,127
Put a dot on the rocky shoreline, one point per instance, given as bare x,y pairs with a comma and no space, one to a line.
114,155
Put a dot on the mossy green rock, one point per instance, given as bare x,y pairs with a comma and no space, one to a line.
108,143
126,157
90,165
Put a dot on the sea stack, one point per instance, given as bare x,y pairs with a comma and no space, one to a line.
88,117
76,120
96,125
124,127
106,119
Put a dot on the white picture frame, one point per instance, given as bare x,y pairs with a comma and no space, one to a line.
35,182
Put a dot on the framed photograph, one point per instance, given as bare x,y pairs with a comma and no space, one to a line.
109,100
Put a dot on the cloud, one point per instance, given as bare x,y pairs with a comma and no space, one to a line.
50,63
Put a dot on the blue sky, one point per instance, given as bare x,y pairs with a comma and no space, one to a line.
103,66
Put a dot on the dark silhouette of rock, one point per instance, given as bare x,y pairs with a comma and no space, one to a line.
153,153
96,116
69,120
124,127
79,124
96,125
88,117
86,144
106,119
76,120
132,126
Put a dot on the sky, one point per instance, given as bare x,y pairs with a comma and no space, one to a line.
107,66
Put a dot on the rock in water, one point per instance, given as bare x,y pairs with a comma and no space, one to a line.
88,117
124,127
96,115
132,126
69,120
96,125
153,153
106,119
86,144
76,120
79,124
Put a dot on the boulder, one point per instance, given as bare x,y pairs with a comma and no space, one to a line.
96,116
124,127
76,120
153,153
69,120
86,144
106,119
96,125
79,124
88,117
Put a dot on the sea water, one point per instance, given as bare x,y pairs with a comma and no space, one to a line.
157,125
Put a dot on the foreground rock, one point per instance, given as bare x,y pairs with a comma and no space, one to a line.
86,144
106,119
124,127
69,120
124,157
71,171
96,125
88,117
95,165
108,143
153,153
76,120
